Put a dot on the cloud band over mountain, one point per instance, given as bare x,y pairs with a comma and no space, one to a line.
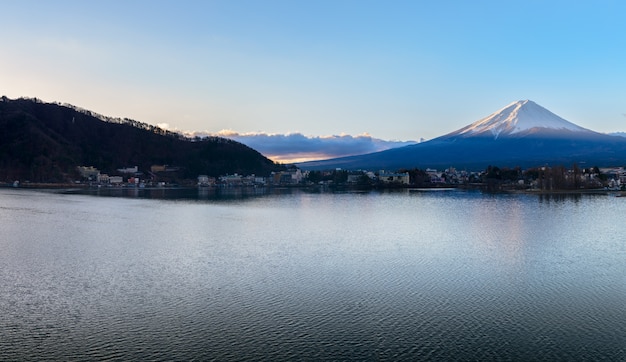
296,147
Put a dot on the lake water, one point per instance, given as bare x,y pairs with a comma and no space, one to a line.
408,275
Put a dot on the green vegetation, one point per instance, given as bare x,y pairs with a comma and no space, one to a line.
45,142
337,177
546,178
493,178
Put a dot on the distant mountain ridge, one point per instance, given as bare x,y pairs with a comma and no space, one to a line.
45,142
521,134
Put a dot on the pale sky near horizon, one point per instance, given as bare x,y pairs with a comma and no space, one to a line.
396,70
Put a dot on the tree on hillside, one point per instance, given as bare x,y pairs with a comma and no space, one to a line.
416,176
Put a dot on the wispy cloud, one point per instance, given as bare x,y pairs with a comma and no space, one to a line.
296,147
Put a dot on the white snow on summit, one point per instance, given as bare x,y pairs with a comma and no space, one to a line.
518,117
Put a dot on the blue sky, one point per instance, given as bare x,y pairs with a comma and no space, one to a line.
393,70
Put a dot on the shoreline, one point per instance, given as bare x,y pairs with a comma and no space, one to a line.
70,186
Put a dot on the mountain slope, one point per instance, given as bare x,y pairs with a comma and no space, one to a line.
45,142
520,134
516,119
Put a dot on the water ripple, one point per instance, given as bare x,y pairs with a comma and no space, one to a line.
460,276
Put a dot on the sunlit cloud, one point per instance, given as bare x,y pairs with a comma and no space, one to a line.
297,147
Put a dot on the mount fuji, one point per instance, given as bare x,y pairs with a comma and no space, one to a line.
521,134
517,120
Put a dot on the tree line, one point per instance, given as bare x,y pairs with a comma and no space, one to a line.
492,178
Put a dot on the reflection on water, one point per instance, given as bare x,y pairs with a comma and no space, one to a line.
291,275
560,197
181,193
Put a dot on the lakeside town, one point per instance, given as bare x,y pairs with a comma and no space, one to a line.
97,151
492,178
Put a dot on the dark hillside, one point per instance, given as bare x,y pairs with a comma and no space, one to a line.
45,142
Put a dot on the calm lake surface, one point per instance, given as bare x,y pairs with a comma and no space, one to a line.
409,275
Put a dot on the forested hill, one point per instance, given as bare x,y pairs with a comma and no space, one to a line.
45,142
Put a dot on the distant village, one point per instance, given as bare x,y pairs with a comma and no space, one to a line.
492,178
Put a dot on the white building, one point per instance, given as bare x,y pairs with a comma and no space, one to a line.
131,170
400,178
116,179
203,180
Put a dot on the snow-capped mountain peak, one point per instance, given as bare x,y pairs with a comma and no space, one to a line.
522,134
518,117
